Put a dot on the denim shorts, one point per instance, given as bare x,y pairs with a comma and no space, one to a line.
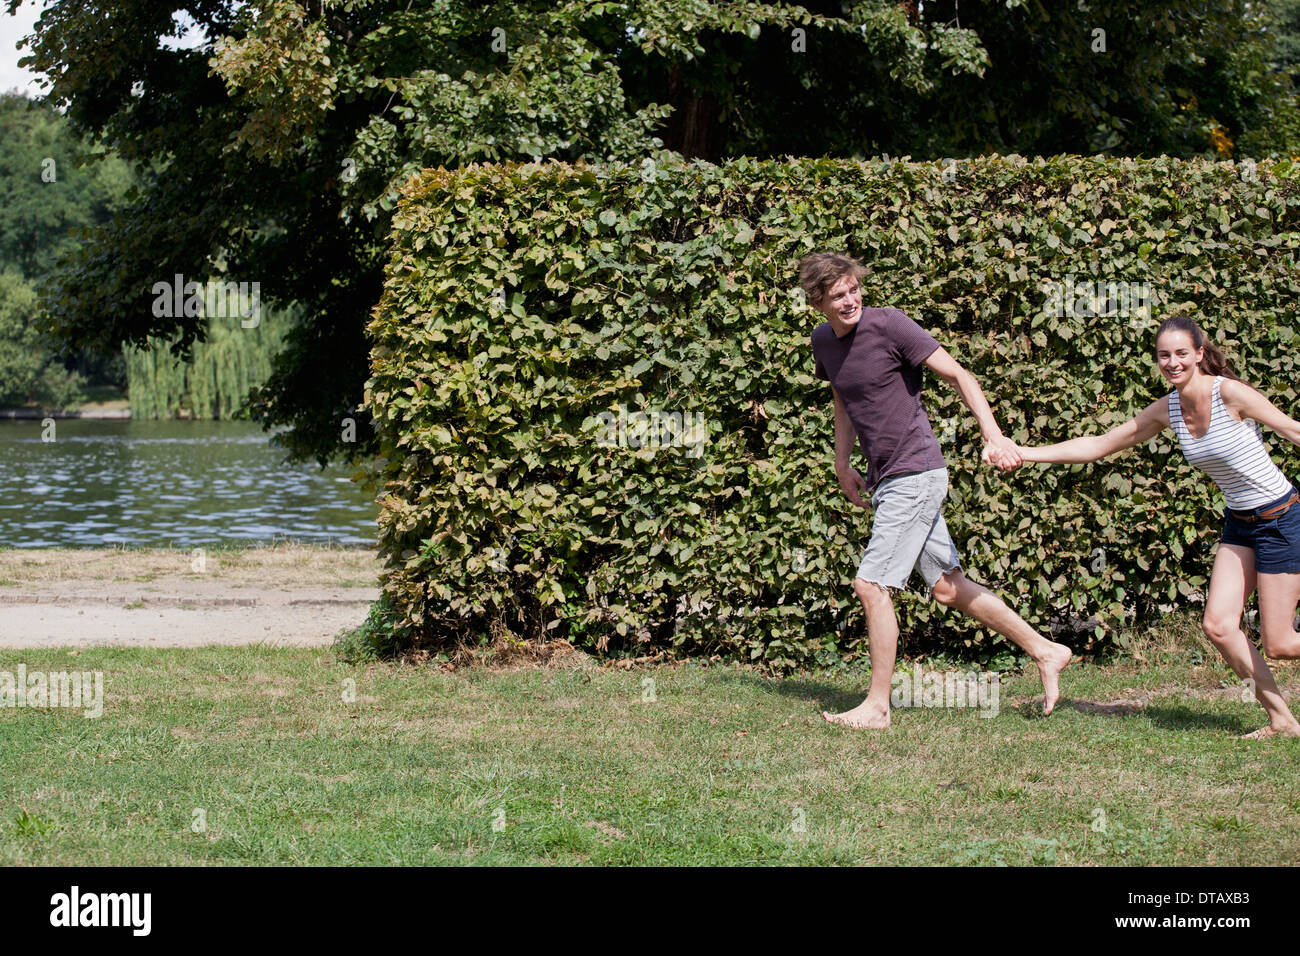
908,531
1276,542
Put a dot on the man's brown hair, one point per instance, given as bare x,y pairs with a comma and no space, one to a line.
821,270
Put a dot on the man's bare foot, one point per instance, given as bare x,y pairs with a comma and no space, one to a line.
865,716
1264,733
1049,669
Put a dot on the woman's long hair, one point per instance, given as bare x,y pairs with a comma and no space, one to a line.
1213,362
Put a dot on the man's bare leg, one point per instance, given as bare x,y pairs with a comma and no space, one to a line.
882,639
955,590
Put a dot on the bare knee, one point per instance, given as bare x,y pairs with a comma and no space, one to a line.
1218,629
1280,647
946,591
870,593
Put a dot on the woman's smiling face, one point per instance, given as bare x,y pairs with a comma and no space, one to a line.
1177,357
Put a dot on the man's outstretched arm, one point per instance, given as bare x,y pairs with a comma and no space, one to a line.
998,449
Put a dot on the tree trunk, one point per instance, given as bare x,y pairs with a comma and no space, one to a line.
692,129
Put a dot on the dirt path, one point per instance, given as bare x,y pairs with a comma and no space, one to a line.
286,595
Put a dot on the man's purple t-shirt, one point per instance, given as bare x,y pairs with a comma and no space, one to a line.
876,369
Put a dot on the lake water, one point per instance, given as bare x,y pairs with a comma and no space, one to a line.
169,483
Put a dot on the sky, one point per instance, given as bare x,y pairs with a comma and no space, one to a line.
12,30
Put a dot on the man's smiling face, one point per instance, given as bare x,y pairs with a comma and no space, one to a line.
842,303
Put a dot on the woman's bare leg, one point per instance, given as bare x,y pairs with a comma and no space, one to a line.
1278,594
1231,583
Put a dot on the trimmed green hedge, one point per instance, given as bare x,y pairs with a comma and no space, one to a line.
522,302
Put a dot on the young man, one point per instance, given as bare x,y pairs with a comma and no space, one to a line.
873,360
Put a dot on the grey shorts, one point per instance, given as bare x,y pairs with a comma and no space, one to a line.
908,531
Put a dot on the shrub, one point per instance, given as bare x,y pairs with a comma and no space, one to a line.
523,301
377,637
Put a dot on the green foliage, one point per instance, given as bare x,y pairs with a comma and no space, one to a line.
51,185
1285,15
28,825
214,381
377,638
522,302
29,372
1182,78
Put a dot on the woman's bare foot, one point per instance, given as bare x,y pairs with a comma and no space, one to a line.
865,716
1049,669
1292,730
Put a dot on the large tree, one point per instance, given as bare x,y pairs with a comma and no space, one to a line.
30,373
274,151
52,186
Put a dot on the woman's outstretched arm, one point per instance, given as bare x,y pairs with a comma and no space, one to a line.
1145,425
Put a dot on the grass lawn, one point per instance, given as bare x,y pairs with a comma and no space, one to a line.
253,756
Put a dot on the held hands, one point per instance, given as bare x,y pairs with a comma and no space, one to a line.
1003,453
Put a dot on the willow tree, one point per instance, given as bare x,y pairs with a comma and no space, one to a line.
214,381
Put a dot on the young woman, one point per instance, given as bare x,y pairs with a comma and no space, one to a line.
1216,417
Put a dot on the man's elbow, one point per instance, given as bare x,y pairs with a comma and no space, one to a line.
962,380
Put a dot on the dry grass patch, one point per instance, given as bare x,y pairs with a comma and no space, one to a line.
291,565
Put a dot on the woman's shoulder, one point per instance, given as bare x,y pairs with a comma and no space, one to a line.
1232,389
1238,397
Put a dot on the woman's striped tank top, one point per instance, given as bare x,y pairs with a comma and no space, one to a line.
1232,453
